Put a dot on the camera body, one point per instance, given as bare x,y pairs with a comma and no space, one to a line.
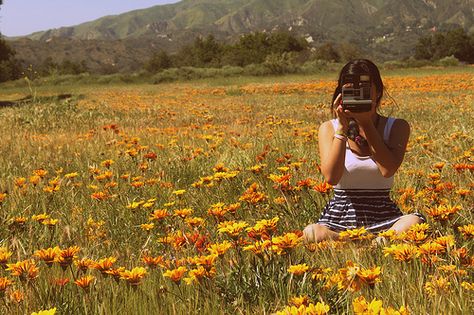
356,93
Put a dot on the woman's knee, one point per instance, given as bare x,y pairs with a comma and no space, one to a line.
406,222
316,233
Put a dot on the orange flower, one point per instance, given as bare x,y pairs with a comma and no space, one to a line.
183,213
85,282
48,255
152,262
67,255
84,264
3,196
323,188
252,195
104,264
158,215
17,296
443,212
4,284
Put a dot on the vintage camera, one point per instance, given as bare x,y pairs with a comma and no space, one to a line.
356,95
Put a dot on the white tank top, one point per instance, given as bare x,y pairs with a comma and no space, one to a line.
361,172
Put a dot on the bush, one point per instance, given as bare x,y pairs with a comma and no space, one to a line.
280,64
448,61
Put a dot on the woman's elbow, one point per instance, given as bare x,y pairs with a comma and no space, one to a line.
388,173
331,179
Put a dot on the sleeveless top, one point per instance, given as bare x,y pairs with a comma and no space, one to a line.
361,172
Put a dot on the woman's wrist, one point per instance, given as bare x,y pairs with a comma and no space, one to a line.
340,134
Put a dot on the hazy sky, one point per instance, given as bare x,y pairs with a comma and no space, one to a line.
22,17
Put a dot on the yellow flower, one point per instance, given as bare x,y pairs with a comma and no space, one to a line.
370,276
196,275
231,228
318,309
71,175
219,248
175,274
437,286
133,276
467,230
298,270
51,311
467,286
300,300
5,254
258,247
25,269
356,234
147,226
179,192
361,307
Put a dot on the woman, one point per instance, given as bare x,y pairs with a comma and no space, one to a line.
360,152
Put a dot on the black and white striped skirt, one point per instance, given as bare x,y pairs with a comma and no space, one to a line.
356,208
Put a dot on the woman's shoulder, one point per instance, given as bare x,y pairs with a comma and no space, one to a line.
333,122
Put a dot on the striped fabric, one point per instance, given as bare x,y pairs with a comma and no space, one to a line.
355,208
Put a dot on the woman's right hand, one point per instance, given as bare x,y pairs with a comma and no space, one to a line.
341,116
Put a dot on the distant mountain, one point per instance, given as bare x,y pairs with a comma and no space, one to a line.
388,27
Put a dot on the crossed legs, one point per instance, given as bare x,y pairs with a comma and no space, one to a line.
314,233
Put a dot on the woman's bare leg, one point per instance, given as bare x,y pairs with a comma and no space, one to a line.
314,233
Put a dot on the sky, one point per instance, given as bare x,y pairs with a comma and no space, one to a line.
23,17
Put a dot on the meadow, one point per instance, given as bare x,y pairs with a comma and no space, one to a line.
191,198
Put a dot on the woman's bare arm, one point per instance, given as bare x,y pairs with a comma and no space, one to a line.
332,152
388,157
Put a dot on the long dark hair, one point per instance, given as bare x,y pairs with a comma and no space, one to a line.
358,67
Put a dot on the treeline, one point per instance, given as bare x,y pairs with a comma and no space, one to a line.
258,53
279,52
456,43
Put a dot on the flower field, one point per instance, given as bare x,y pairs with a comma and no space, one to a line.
192,197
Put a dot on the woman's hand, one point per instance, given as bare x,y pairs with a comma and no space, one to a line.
340,114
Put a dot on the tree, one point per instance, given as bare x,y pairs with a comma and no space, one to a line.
159,61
